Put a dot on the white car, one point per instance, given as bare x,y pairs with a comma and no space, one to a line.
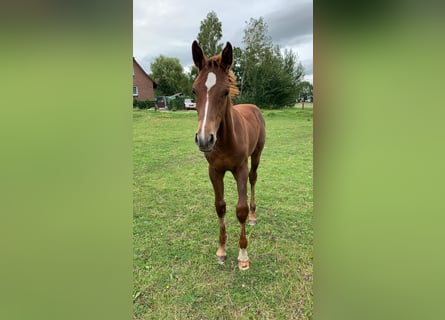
189,104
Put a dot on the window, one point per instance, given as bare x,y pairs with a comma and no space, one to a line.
135,91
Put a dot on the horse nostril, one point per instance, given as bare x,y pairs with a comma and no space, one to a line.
196,138
212,139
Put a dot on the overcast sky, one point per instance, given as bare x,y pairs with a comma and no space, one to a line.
169,27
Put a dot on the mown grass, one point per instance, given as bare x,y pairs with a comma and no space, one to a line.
175,229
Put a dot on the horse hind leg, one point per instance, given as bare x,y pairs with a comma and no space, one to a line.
255,161
242,211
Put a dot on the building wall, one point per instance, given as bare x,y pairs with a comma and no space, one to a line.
143,83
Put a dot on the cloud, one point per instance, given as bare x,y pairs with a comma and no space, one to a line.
169,27
292,25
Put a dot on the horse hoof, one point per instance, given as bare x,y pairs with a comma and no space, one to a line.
252,222
243,265
221,259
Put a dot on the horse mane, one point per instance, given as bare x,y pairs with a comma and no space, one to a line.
215,62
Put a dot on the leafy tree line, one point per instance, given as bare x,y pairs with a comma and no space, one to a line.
267,76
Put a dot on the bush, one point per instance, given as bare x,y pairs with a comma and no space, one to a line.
146,104
176,104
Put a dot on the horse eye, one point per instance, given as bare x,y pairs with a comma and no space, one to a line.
226,93
193,91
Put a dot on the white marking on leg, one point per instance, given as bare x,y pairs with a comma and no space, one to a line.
210,82
242,256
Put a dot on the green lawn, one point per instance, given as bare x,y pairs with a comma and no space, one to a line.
175,226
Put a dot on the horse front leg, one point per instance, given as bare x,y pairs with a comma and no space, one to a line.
242,211
217,179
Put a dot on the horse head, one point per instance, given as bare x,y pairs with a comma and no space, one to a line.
212,89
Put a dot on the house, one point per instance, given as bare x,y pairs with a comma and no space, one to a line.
143,85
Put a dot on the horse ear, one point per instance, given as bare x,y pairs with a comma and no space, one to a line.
227,56
198,55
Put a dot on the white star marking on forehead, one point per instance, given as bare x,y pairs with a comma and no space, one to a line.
211,80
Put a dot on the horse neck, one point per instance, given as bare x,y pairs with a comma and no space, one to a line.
228,132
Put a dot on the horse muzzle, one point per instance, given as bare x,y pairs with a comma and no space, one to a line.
205,143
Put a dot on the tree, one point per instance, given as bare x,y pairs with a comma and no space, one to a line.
305,91
186,86
268,77
237,64
293,67
256,44
256,40
210,33
169,75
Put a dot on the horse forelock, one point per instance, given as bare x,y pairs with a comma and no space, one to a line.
215,62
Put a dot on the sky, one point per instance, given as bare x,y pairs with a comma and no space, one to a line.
168,27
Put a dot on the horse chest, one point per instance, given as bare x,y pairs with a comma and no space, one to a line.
224,161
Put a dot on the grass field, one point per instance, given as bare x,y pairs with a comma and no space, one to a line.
175,228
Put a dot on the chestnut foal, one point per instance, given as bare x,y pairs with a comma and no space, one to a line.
227,135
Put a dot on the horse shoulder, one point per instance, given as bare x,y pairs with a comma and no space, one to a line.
251,115
251,120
